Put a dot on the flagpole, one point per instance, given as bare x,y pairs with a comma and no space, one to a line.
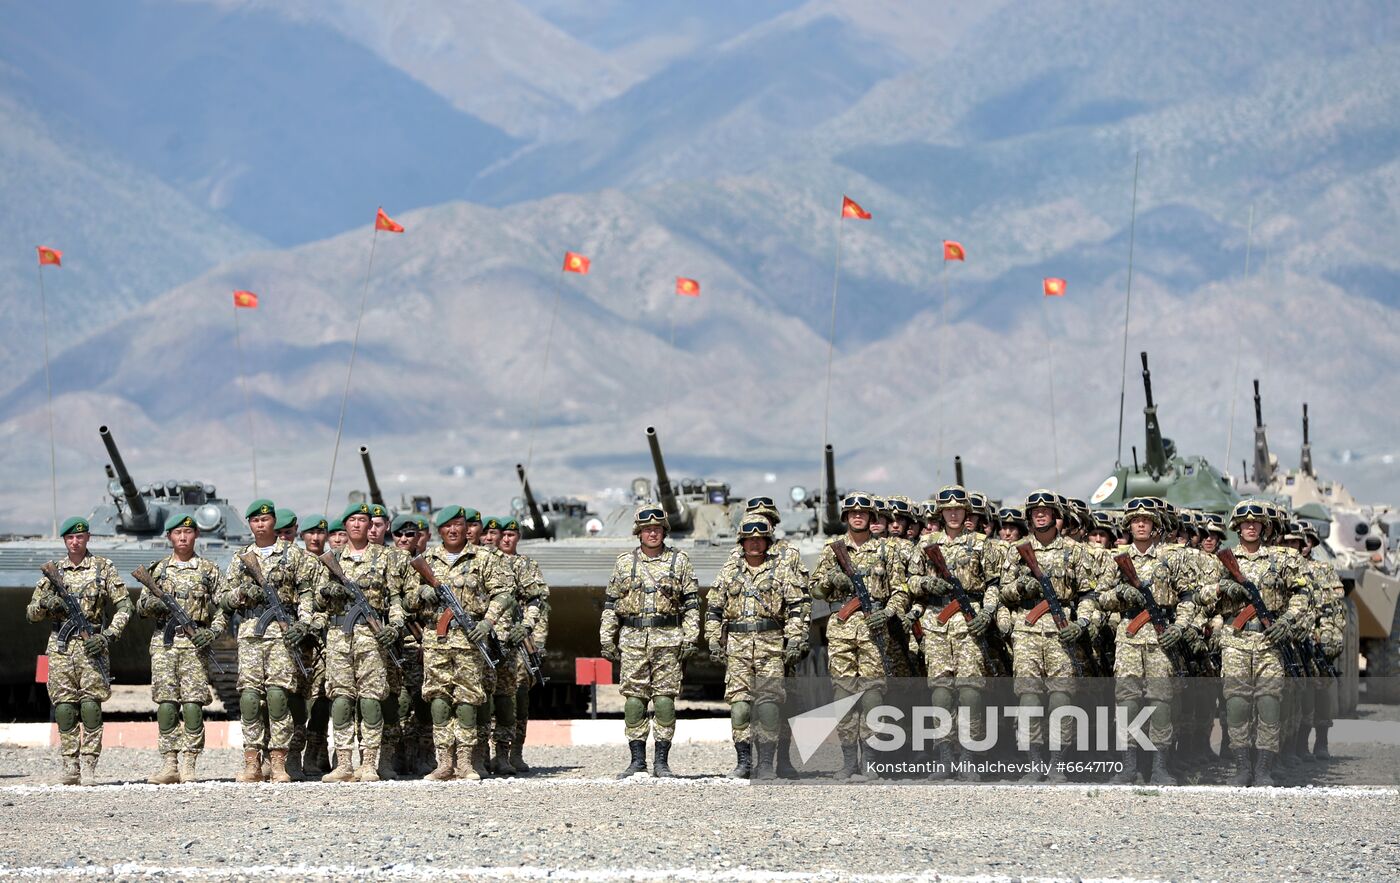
247,397
1235,383
1127,310
48,387
831,336
350,369
539,387
1050,354
940,384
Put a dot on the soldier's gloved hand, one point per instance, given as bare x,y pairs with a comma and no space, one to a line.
517,633
1280,633
1171,636
334,591
1233,590
717,651
1071,633
908,619
1129,596
427,594
1332,648
877,617
480,631
793,652
839,585
934,585
1196,641
50,601
610,652
980,624
1027,586
387,636
156,604
688,651
202,638
295,633
95,645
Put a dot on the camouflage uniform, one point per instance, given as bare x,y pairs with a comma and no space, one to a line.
179,671
651,609
76,686
1330,632
533,615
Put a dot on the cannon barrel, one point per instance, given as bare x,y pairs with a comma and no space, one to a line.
376,496
1263,464
664,491
1156,448
540,529
1258,407
140,515
832,517
1305,462
957,470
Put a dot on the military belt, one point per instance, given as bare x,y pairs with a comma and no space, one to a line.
649,622
1254,625
340,620
753,625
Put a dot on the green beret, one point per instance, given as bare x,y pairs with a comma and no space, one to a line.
178,520
447,513
377,511
354,509
76,524
285,518
260,507
471,515
337,524
492,522
402,521
511,523
313,522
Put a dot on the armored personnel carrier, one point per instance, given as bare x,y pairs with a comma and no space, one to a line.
126,527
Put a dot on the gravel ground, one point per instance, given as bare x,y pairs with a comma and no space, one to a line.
569,820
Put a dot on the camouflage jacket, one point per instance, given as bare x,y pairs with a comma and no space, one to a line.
971,557
878,562
381,576
94,583
531,599
482,582
1073,575
1170,575
744,594
194,584
1281,583
292,571
664,586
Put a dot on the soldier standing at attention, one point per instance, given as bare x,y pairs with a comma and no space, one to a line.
650,624
1044,657
267,677
357,662
415,727
336,537
855,657
379,523
78,666
756,622
455,676
1331,627
392,749
532,598
179,668
313,736
286,526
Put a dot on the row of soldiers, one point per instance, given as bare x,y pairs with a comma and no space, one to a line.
421,655
960,588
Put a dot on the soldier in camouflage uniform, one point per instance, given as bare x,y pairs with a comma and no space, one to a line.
957,669
78,681
415,719
756,621
336,538
313,737
1045,659
856,646
179,664
1330,631
267,677
391,754
532,622
1250,665
650,625
286,525
357,662
456,677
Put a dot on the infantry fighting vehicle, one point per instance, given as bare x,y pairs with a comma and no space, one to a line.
127,529
556,518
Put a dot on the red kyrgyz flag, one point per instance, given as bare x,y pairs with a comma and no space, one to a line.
245,299
576,263
687,287
1054,287
953,251
851,209
50,256
384,222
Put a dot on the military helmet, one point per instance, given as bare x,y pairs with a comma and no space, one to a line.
857,500
1310,533
1013,516
903,507
1042,497
977,504
1294,533
882,508
648,515
1249,510
763,506
755,527
952,496
1139,507
1100,520
1215,524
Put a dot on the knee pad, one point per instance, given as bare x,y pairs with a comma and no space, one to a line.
970,697
277,707
665,709
871,699
522,703
167,716
193,715
943,697
342,711
66,713
1269,709
249,705
441,712
1058,699
1161,714
466,716
634,711
739,714
1030,700
1236,711
91,711
769,715
371,712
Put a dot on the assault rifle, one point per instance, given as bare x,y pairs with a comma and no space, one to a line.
861,601
276,610
77,624
359,608
961,604
1151,612
1050,602
177,620
453,614
1257,607
533,664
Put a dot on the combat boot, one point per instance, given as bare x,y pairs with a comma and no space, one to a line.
344,767
293,766
1057,776
71,772
169,772
315,761
783,765
368,770
188,760
467,764
503,765
384,767
517,758
660,768
89,765
445,768
1287,757
968,772
1263,769
479,755
638,749
277,761
1129,773
942,767
1161,775
252,766
763,769
1242,768
1300,749
265,767
743,768
850,758
1037,763
1320,744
